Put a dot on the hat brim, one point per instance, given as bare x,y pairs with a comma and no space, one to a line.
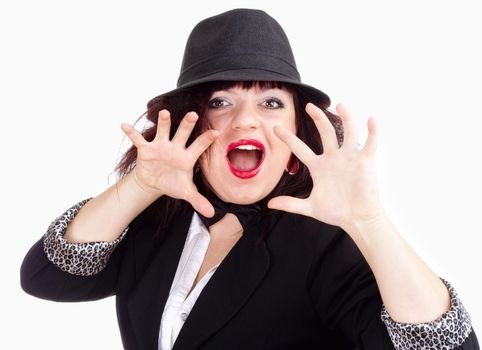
316,96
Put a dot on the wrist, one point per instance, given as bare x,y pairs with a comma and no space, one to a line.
362,228
139,188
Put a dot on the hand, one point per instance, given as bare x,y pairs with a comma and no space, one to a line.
165,167
345,191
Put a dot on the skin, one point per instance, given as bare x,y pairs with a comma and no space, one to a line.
342,176
165,167
248,114
344,186
345,194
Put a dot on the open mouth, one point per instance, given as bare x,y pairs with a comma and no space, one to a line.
245,157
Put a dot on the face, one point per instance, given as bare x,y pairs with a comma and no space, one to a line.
247,160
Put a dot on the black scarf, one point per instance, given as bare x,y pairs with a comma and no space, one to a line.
247,214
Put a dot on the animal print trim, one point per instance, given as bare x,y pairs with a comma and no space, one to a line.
447,332
83,259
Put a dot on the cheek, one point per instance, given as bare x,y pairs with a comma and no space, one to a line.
292,124
211,159
277,144
218,122
203,162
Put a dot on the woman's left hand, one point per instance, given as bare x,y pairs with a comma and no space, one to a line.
345,191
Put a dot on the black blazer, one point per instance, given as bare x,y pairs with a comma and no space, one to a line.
304,286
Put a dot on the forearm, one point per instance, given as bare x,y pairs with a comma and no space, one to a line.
411,292
105,216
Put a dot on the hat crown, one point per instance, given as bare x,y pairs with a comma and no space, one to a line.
236,40
240,45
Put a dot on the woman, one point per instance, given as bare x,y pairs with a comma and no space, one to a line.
247,217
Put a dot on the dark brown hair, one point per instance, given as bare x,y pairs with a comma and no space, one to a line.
196,99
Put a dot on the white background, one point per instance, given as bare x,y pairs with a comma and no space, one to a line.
71,72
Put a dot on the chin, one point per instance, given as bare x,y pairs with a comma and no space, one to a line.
242,191
241,197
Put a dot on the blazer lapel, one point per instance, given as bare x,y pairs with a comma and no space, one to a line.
146,302
236,278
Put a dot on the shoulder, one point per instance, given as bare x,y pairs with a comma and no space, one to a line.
147,237
317,242
146,231
287,228
149,222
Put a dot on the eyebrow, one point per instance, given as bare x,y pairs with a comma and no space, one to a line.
234,88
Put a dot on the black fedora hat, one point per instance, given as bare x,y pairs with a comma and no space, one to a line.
240,45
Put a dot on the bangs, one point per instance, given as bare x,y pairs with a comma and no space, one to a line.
246,85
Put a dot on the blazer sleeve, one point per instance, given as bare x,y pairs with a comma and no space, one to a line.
346,297
57,270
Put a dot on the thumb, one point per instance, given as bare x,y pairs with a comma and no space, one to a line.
201,204
290,204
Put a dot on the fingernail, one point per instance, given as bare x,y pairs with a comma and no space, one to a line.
164,114
192,116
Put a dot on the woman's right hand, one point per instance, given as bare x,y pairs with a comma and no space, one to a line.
165,167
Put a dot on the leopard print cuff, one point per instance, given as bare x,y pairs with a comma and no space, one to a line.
445,333
83,259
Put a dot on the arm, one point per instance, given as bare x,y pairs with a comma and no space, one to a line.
57,270
77,259
411,292
75,253
163,167
104,218
346,296
417,305
345,194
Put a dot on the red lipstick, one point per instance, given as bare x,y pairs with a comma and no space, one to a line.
248,145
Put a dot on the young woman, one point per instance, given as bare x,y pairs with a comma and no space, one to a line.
247,217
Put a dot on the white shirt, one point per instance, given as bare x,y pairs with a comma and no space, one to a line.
179,304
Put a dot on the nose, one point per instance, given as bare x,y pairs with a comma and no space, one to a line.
245,118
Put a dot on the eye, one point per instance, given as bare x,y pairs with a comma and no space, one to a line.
218,102
273,103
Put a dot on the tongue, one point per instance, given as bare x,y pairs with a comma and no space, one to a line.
243,160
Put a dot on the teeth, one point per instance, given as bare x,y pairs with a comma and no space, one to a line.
248,147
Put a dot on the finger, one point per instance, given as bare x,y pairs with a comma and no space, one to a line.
350,136
163,125
136,138
298,147
371,144
324,126
201,204
290,204
185,128
202,143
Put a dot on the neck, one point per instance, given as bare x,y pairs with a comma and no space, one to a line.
246,215
227,228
